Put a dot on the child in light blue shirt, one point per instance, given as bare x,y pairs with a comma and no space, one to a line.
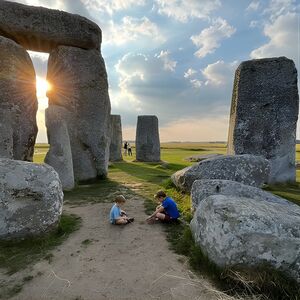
117,215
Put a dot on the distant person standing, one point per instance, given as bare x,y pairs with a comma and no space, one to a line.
125,148
129,149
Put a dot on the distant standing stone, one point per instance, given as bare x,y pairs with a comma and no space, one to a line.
18,97
59,155
31,199
147,139
264,113
43,29
80,85
115,150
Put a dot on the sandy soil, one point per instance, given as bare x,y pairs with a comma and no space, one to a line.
120,262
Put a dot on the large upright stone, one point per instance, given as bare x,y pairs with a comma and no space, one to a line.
43,29
31,199
264,113
59,155
7,119
80,85
18,97
115,149
147,139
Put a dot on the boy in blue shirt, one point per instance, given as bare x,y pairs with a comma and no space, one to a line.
118,216
167,211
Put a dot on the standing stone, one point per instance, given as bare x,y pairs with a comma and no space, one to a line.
264,113
59,155
115,150
31,199
147,139
18,97
43,29
7,118
79,82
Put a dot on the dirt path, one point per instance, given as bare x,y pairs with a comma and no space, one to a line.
130,262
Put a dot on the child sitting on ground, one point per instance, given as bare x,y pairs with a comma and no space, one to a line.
167,211
117,215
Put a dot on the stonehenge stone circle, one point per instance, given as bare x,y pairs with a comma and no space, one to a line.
80,85
147,142
264,113
18,95
233,230
31,198
204,188
115,149
59,155
248,169
43,29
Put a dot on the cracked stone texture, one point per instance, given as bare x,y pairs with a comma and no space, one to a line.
235,230
59,155
201,189
79,82
43,29
31,199
18,98
264,113
115,149
147,139
248,169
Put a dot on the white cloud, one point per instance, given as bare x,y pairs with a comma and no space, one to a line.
219,73
283,34
183,10
111,6
277,8
189,73
196,83
253,6
169,64
253,24
132,29
209,38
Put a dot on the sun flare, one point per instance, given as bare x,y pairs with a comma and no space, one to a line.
42,87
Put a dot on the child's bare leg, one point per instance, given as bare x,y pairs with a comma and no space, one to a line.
160,216
121,221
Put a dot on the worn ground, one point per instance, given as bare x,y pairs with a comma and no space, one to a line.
102,261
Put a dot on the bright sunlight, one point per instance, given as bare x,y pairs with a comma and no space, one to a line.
42,86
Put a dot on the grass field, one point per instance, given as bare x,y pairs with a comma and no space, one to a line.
144,179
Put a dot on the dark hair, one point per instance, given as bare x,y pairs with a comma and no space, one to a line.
160,194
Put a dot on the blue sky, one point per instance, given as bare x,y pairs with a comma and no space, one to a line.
176,58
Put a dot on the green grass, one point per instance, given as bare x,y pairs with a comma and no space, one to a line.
16,255
144,179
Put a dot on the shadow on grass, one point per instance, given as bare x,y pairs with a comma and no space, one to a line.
290,192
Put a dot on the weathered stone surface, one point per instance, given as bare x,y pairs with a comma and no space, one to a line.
80,85
264,113
59,155
43,29
115,149
18,97
235,230
31,198
201,189
7,118
147,139
248,169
